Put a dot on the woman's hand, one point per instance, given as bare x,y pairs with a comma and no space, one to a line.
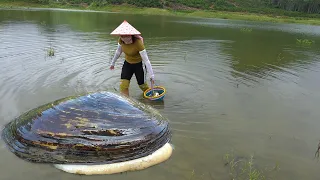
111,67
152,81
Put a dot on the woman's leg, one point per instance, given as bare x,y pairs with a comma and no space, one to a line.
126,75
140,76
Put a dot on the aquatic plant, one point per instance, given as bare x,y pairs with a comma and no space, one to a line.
280,58
246,30
195,176
240,168
50,51
245,169
305,42
316,155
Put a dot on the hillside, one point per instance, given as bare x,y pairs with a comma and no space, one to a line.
302,8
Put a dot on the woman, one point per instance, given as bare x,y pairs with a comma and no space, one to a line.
131,43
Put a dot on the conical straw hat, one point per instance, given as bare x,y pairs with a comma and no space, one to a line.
125,29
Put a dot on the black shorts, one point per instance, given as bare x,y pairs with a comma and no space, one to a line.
137,69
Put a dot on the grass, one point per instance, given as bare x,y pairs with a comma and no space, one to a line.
240,168
306,42
246,30
157,11
245,168
50,51
316,155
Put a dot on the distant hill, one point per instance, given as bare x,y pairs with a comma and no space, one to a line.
306,8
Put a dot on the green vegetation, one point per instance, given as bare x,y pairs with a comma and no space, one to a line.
281,7
50,51
245,169
316,155
305,42
289,11
246,30
240,168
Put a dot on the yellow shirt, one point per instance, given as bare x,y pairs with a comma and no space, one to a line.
131,51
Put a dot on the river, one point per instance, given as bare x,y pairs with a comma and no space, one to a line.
251,88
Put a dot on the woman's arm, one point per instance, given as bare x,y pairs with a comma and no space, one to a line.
146,61
116,55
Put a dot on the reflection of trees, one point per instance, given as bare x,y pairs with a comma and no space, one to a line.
49,21
255,53
263,53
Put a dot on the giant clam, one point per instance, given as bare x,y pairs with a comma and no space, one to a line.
94,133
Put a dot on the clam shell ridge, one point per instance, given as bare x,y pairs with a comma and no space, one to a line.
100,127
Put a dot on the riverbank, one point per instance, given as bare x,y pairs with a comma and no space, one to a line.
168,12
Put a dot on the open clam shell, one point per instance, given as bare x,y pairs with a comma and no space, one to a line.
96,128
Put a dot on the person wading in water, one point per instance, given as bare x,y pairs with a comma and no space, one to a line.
131,44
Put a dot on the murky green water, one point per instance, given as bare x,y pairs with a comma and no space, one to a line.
252,92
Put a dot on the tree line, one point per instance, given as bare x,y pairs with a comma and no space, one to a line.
302,6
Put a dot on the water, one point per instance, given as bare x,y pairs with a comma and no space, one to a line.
228,90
